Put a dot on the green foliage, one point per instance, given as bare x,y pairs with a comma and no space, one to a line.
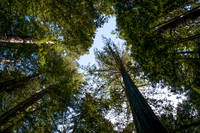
72,22
68,82
46,38
91,117
163,41
171,57
161,48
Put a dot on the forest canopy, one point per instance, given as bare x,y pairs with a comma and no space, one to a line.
43,90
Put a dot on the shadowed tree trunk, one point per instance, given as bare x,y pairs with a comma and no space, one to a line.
144,118
9,128
8,60
180,21
19,40
23,105
11,85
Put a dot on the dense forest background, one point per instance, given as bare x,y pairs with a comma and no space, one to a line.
42,89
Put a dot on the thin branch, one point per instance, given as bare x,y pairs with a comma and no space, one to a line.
193,124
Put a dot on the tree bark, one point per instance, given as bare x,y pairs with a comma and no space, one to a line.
187,53
19,40
144,118
9,129
180,21
23,106
8,60
11,85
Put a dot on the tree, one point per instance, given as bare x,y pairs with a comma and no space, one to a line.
144,118
160,56
22,106
57,85
72,23
9,86
180,21
43,37
169,56
90,117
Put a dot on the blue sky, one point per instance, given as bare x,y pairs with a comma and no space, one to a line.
98,42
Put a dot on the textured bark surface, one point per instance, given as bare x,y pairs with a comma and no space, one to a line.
144,118
18,40
11,85
180,21
8,60
22,106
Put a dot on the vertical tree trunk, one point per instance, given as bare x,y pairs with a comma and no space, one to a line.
144,118
11,85
23,105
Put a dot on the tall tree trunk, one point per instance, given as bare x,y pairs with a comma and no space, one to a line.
10,128
8,60
180,21
19,40
144,118
23,105
11,85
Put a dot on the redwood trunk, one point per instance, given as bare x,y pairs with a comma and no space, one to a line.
181,21
19,40
8,60
144,118
22,106
11,85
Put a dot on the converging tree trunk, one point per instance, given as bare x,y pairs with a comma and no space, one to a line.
11,85
23,105
19,40
180,21
144,118
8,60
